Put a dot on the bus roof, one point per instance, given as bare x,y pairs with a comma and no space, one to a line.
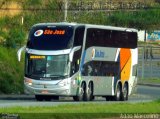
88,26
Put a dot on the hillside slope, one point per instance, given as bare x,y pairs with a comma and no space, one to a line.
11,72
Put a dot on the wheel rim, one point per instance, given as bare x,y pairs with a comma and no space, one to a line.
82,91
118,94
125,92
90,92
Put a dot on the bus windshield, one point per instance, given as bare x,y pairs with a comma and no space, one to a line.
47,67
50,37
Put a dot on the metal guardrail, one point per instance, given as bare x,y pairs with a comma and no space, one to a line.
149,62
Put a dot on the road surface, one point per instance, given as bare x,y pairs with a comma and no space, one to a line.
144,94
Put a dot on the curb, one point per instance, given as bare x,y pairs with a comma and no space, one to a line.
16,97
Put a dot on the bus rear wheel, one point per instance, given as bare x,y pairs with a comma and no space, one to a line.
125,92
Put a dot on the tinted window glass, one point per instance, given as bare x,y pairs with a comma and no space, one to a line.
98,37
79,34
48,67
101,68
111,38
50,37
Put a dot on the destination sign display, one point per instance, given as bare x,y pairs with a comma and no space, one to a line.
53,37
54,32
37,57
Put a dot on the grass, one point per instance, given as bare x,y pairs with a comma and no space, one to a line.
149,80
84,110
142,43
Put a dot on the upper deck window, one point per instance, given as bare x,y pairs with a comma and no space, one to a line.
50,37
110,38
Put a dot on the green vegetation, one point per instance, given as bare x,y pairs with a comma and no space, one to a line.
144,19
84,110
149,81
15,25
13,31
11,72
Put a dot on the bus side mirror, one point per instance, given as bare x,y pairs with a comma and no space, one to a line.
19,52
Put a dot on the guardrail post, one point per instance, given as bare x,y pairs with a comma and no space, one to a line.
150,62
143,55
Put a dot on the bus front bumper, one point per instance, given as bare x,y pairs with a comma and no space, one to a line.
47,89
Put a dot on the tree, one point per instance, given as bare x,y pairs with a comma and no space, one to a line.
143,19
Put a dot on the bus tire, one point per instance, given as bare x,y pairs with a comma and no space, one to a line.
39,97
82,93
125,92
90,96
118,93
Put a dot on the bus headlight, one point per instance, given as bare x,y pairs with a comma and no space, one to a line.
29,84
28,81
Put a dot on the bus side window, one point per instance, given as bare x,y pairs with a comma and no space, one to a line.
115,38
124,39
91,39
78,39
107,38
74,67
132,39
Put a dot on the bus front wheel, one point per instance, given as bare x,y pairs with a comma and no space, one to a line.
125,92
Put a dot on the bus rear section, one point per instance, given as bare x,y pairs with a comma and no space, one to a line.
112,75
109,63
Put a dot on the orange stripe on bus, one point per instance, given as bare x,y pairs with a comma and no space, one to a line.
125,63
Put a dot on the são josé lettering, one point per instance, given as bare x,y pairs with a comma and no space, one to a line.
49,32
54,32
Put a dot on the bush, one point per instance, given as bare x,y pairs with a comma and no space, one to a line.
11,75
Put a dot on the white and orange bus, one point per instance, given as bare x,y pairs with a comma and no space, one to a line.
81,61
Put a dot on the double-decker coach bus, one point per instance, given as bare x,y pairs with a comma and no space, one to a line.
80,61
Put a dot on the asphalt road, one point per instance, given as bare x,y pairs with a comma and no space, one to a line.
144,94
